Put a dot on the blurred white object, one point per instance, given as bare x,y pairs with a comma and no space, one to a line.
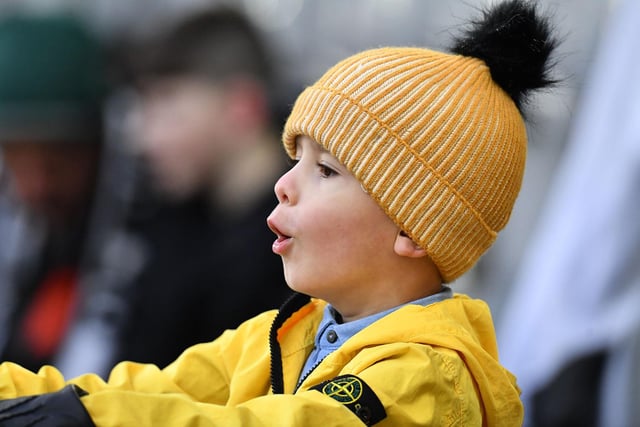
578,289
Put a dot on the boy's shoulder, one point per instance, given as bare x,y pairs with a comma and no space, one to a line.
461,323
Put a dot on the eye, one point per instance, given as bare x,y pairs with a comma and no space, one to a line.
326,171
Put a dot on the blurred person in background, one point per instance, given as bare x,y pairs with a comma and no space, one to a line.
206,133
571,328
57,203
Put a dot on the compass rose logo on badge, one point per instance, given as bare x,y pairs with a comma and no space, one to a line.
344,390
356,395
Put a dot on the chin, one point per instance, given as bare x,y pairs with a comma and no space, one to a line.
297,284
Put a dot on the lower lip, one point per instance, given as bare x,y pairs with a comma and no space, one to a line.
280,245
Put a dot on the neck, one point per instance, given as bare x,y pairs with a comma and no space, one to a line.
409,279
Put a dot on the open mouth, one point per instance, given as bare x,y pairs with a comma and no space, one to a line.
282,241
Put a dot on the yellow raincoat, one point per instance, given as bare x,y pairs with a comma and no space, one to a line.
418,366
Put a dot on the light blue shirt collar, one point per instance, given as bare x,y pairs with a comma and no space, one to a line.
331,334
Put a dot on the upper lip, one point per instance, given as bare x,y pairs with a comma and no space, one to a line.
273,227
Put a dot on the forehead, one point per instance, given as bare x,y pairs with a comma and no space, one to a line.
304,142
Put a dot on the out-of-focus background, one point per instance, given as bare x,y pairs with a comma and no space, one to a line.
304,38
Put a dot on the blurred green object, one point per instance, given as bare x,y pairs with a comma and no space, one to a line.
52,79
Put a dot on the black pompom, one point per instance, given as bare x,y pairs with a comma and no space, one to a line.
515,42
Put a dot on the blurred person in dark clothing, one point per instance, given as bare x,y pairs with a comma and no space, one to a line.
206,133
55,204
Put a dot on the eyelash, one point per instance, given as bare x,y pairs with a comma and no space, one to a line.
325,171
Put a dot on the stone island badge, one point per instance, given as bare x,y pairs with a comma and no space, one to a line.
356,395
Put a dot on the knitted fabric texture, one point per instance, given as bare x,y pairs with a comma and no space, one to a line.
431,137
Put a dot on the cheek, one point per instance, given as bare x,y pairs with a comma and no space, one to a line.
351,234
322,253
173,128
175,152
200,141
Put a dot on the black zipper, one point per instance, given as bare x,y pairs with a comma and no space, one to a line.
294,303
306,375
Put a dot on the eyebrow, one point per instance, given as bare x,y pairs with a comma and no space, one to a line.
315,144
323,150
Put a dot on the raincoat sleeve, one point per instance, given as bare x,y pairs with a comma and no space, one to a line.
137,394
202,372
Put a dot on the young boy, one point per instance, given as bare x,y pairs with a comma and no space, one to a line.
407,163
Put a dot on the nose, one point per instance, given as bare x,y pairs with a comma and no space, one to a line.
284,188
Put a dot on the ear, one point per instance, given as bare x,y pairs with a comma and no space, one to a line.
406,247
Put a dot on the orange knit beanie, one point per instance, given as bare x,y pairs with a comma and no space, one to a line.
432,137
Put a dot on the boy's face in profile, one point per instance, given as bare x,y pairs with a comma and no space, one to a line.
334,240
